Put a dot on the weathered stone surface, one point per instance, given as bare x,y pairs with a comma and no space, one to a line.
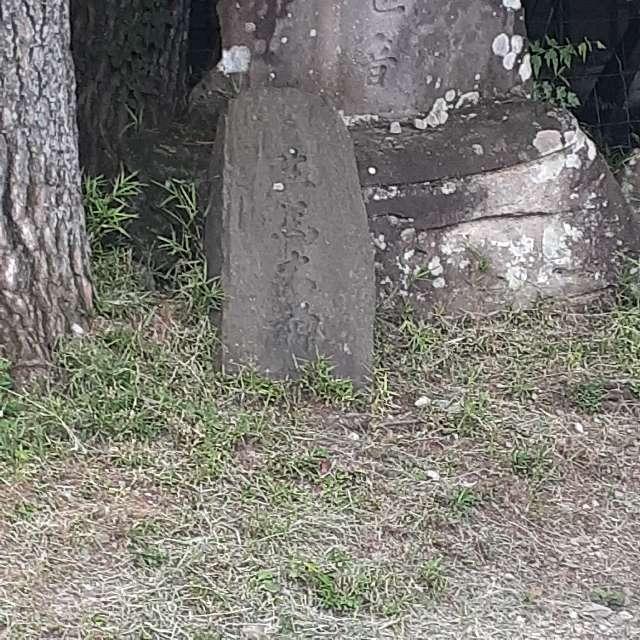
475,140
629,178
287,233
383,57
536,214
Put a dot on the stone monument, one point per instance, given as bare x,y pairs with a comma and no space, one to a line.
379,57
287,233
478,198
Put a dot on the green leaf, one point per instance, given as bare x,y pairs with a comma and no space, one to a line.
551,58
536,65
572,100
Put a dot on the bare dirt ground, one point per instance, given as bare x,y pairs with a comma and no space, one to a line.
489,488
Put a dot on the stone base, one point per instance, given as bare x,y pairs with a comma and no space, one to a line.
504,205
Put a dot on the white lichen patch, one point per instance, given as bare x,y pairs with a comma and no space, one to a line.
406,270
420,123
501,45
439,113
380,242
579,152
573,161
517,43
508,49
470,98
448,188
516,276
514,5
550,169
525,71
355,119
548,141
509,61
578,140
522,247
557,243
77,330
408,235
435,266
580,144
237,59
378,194
447,249
510,257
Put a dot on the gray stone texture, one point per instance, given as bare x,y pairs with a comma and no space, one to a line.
518,207
629,178
287,232
381,57
476,199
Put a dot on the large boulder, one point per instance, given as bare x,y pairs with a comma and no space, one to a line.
501,206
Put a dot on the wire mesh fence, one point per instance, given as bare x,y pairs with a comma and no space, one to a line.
607,83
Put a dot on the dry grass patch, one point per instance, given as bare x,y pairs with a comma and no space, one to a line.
487,487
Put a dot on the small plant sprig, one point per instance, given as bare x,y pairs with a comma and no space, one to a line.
186,246
108,206
320,381
551,61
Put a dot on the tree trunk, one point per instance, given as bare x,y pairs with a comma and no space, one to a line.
45,288
130,58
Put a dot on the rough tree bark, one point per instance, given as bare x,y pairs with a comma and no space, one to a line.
130,58
45,288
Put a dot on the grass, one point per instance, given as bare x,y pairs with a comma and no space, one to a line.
532,460
462,501
612,598
334,584
432,577
588,396
486,485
